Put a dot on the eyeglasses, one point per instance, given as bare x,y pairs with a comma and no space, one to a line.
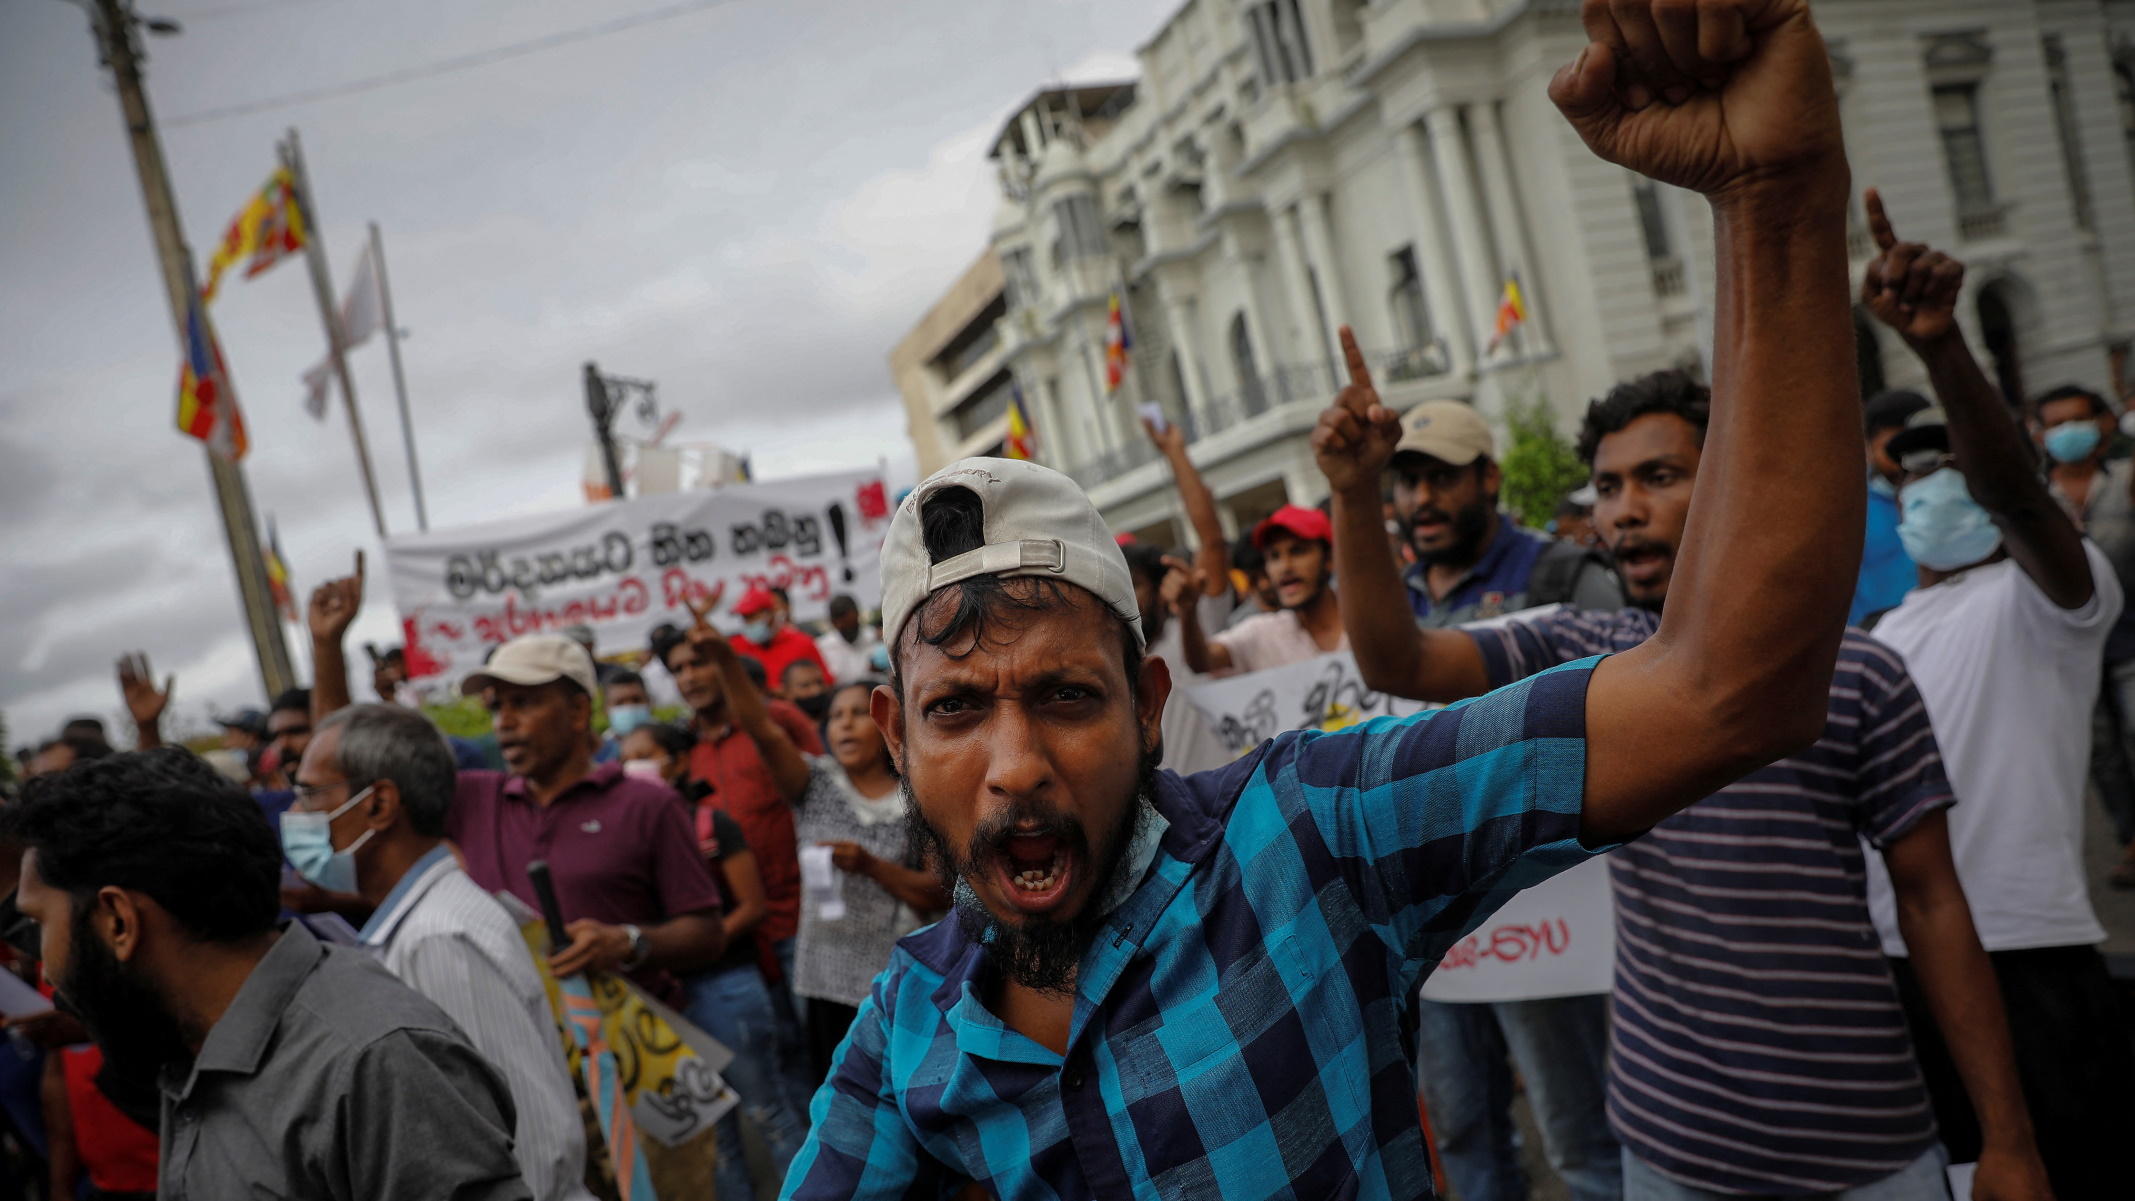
308,795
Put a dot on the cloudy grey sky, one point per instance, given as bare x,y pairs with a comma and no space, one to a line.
749,204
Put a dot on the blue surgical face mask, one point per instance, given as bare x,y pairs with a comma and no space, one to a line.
1942,527
2072,441
624,718
308,842
879,658
759,630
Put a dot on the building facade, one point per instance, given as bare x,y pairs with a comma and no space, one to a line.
1286,167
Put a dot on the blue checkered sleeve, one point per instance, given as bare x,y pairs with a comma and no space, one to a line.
860,1145
1434,821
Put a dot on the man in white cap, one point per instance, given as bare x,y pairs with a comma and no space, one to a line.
1473,561
1183,987
635,894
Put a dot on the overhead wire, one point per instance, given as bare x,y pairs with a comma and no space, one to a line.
479,58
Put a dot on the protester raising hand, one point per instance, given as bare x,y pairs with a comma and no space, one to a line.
333,608
1909,286
1182,585
1355,438
137,683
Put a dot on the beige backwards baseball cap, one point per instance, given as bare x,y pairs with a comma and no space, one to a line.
1447,430
1038,523
534,659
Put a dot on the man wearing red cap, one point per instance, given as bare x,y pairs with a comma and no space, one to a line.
769,639
1297,544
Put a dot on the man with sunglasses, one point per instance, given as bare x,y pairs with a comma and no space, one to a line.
2004,637
369,818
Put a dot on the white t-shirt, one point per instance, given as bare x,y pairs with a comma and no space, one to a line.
2009,679
847,660
1189,745
1271,640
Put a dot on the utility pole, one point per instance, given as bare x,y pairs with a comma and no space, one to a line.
322,286
605,396
400,382
114,24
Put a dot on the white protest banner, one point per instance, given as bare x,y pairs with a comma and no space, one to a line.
623,567
1557,939
1320,693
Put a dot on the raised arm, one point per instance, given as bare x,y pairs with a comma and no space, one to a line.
137,684
1733,99
1214,558
1354,443
788,770
333,608
1913,289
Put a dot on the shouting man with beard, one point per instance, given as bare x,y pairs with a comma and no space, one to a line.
1194,986
287,1067
1471,560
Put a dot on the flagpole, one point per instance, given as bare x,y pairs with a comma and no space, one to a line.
113,22
322,286
400,382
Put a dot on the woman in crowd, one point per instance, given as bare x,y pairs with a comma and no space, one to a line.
728,1000
854,806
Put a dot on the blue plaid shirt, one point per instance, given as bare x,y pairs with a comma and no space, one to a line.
1239,1024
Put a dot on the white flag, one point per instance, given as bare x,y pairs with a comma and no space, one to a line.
362,315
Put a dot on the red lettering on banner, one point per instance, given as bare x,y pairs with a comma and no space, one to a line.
1510,943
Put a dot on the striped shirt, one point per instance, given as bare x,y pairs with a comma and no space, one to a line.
1758,1045
1237,1026
450,941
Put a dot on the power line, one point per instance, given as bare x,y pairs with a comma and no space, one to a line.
232,10
479,58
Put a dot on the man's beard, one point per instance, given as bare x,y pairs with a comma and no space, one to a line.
1469,526
1038,954
128,1018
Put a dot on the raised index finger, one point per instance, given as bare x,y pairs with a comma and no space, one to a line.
1879,221
1359,374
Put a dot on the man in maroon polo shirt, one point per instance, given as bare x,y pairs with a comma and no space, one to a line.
635,894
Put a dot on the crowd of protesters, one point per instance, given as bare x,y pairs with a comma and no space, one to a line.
1854,944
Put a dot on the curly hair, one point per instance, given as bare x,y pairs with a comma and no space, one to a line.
1669,391
160,822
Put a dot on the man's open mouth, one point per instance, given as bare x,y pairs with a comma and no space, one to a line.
1035,870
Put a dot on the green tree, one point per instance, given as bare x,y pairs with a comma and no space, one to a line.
1539,465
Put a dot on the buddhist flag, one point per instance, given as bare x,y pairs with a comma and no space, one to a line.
1022,444
1117,344
207,409
1511,311
269,227
278,574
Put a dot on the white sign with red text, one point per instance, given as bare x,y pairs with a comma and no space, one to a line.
1557,939
624,567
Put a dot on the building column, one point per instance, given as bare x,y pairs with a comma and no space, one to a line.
1504,209
1178,318
1441,290
1319,244
1471,237
1302,310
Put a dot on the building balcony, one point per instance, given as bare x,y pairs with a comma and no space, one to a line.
1982,221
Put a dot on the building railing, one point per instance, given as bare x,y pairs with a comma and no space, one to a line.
1990,221
1668,278
1291,384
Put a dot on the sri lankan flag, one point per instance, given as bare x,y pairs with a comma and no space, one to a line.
1511,311
1022,444
1117,344
278,574
207,409
269,227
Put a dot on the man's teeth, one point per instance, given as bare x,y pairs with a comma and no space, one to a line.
1037,880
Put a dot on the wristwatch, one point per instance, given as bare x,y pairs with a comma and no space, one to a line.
638,949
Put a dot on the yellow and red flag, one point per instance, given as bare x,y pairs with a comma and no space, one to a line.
269,227
1022,443
207,409
1117,344
1511,311
278,574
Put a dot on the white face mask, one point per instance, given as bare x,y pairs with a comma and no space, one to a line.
1942,527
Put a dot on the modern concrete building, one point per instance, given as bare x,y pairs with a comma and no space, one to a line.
1284,167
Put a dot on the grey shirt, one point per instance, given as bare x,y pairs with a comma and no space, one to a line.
328,1078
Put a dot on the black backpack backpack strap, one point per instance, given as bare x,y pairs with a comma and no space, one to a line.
1555,577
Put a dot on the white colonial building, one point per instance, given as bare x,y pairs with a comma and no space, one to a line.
1285,167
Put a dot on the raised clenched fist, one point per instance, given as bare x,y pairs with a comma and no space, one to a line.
1710,95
